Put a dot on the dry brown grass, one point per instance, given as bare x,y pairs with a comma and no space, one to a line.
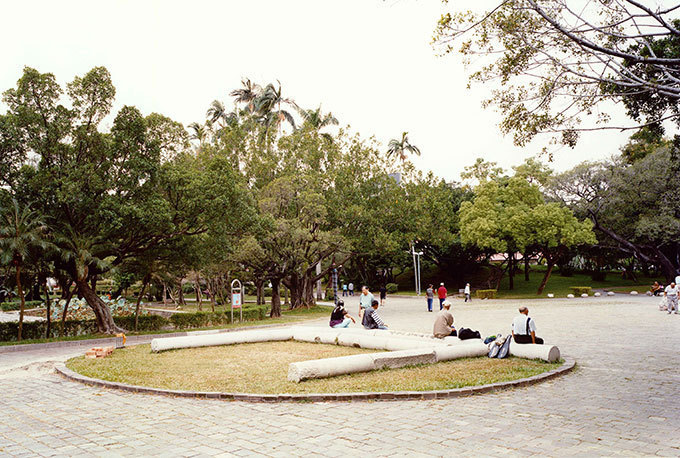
263,367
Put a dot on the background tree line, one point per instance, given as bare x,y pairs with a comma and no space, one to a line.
273,193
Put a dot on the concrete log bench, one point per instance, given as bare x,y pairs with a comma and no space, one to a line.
402,349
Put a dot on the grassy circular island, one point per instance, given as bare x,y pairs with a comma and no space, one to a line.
263,367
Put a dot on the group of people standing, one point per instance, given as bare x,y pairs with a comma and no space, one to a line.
442,294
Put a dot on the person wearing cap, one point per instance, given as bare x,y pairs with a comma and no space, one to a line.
441,292
340,318
443,324
524,328
372,319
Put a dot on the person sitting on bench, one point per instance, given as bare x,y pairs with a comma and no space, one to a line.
372,319
339,316
443,324
524,328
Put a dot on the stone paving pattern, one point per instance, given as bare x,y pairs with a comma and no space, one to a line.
623,398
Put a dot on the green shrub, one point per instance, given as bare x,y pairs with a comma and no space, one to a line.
486,293
598,275
567,271
9,306
145,322
578,290
392,288
206,319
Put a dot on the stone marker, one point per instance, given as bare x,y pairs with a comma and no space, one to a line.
611,293
570,296
584,295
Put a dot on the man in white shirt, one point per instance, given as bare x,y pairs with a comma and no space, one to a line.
365,300
466,291
671,293
524,328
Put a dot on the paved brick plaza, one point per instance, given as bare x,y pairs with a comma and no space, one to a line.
624,398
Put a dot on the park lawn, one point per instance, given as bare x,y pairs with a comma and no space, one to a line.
263,368
288,317
560,286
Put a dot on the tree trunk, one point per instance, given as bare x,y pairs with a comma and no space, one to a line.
259,293
544,282
101,311
526,266
276,298
511,270
69,295
22,300
139,301
287,302
197,288
48,306
181,294
165,294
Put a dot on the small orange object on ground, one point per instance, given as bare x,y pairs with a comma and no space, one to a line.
99,352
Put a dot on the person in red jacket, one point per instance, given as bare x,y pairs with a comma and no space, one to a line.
441,292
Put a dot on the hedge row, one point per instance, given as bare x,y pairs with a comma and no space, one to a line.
37,329
8,306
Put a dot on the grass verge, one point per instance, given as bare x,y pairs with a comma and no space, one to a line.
263,368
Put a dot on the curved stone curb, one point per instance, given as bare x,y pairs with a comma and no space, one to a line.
566,367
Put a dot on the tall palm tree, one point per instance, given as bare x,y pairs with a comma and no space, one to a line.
268,106
21,229
401,147
200,133
247,94
317,120
217,112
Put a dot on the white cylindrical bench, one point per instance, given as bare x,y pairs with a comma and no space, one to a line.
548,353
224,338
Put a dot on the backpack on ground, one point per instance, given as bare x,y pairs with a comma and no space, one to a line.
505,348
465,334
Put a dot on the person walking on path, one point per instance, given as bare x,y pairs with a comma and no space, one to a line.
344,290
383,295
430,297
365,300
441,292
351,288
524,328
671,293
467,292
443,324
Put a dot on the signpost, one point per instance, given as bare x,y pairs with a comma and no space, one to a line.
236,298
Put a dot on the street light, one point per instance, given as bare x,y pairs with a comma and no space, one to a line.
416,267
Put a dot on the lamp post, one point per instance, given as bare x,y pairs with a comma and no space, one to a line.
416,267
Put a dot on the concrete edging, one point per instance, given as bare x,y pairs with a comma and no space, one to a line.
567,366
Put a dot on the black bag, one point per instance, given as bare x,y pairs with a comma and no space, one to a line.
465,334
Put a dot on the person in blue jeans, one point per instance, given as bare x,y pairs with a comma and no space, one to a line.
430,297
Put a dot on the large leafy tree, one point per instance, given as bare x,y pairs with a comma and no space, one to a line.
555,61
633,206
511,215
110,196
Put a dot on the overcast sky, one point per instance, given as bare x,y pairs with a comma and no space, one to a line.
369,62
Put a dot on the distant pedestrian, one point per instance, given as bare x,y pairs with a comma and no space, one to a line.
344,289
383,294
350,287
671,293
441,292
467,292
430,296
